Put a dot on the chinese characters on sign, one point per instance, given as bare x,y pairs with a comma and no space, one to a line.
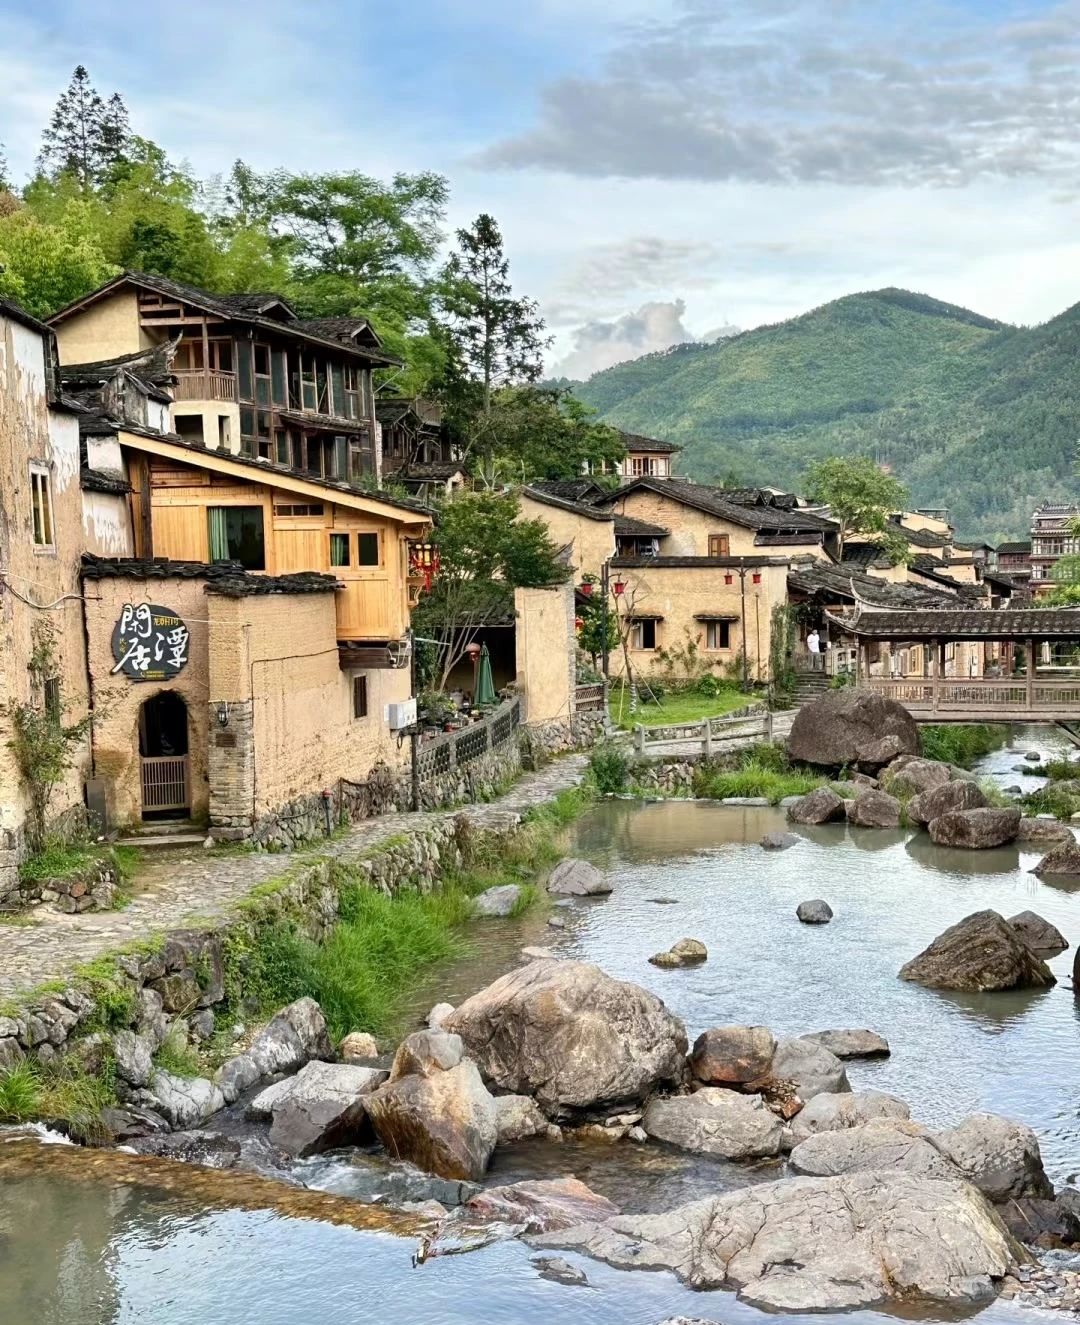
149,643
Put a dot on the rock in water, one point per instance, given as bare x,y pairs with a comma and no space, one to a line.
814,912
1062,861
323,1107
426,1052
874,809
980,953
687,952
834,1113
1043,831
819,1244
976,829
519,1117
811,1068
542,1206
498,902
912,777
944,799
714,1121
560,1271
820,806
445,1124
577,878
852,726
779,841
1043,938
733,1055
851,1044
1000,1156
357,1047
292,1038
571,1036
891,1145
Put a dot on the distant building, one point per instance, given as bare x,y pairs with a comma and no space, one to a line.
1014,559
1051,540
646,457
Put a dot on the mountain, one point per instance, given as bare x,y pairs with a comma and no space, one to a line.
970,413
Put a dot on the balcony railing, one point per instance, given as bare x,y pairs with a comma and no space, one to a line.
201,385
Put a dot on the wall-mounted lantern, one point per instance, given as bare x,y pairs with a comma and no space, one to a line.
223,714
618,588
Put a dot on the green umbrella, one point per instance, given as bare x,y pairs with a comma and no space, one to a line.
485,685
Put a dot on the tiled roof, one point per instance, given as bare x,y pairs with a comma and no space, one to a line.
628,527
963,623
247,586
715,501
8,308
1018,547
920,537
577,508
786,501
636,444
829,583
932,569
344,329
765,538
95,480
571,489
431,469
155,568
864,554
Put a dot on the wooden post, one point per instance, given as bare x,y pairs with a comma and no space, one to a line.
769,726
708,738
939,671
639,739
1030,674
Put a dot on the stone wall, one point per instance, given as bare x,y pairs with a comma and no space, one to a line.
92,888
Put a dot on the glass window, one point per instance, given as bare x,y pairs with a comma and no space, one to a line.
41,506
341,457
337,377
262,361
281,446
277,378
367,546
236,534
643,635
718,635
339,549
359,697
244,381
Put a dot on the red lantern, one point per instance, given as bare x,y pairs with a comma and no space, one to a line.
728,579
585,588
757,577
578,623
473,651
617,588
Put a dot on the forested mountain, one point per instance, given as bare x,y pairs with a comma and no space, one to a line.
970,413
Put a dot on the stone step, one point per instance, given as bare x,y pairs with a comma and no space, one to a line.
193,837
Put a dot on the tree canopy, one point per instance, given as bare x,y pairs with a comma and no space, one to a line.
860,498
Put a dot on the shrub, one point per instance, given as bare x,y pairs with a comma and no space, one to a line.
1059,768
610,768
709,685
1052,800
961,743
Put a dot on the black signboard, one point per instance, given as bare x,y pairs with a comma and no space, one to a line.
149,643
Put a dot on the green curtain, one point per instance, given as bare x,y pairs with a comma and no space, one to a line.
219,537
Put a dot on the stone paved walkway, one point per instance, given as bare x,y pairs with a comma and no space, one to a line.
174,888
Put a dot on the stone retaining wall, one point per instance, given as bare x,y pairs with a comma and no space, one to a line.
89,889
664,777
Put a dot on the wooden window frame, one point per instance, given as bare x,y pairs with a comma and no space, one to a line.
637,635
347,537
715,626
369,533
42,517
360,698
719,545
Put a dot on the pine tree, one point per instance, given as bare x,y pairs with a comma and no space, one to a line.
115,133
85,135
5,181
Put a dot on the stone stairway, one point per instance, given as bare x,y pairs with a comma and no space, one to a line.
164,833
808,686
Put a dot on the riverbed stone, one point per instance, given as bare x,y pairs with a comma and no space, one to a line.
686,952
182,1101
851,1043
130,1121
912,777
977,830
818,1244
358,1047
829,1112
1000,1156
323,1107
733,1055
820,806
1043,938
293,1037
445,1123
852,726
779,841
978,954
426,1052
132,1056
577,878
1061,861
541,1205
874,809
816,911
569,1035
1042,831
560,1271
438,1015
887,1144
207,1149
519,1117
944,798
715,1121
260,1108
1044,1221
498,902
810,1067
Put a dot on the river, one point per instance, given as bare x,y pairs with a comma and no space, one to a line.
90,1239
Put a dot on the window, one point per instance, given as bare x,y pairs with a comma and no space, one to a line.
367,547
236,534
244,386
718,635
359,696
190,427
304,508
719,545
643,634
52,697
41,510
339,549
352,392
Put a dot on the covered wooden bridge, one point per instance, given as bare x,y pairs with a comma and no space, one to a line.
1037,694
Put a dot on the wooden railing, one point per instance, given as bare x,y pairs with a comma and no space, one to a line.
201,385
456,749
705,735
590,698
165,782
986,695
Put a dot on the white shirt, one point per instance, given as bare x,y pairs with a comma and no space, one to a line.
813,643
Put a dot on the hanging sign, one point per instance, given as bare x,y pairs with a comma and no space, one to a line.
149,643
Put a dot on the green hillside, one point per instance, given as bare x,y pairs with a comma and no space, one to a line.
970,413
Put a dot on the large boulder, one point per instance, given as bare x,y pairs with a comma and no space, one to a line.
819,1244
577,878
1062,861
541,1206
890,1145
982,952
323,1107
835,1113
182,1101
874,809
976,829
571,1036
911,777
1043,832
944,798
820,806
426,1052
852,726
1043,938
445,1123
733,1055
850,1043
1000,1156
290,1039
714,1121
810,1067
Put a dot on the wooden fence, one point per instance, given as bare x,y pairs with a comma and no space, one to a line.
458,748
706,736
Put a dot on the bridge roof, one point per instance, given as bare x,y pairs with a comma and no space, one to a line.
1041,623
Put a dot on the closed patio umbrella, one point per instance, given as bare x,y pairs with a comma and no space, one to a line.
485,684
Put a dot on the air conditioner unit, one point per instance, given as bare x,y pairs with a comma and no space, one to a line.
401,715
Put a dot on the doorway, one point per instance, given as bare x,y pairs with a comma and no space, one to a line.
163,756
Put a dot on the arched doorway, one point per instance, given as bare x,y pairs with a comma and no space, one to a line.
163,754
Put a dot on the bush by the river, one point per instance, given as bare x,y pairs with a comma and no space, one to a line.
961,743
761,770
1051,799
610,768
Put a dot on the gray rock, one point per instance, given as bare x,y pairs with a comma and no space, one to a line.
445,1124
851,1043
1062,861
202,1024
206,1149
1043,831
236,1075
182,1101
426,1052
438,1015
715,1121
1032,756
557,922
982,952
323,1107
541,1205
292,1038
132,1056
977,830
779,841
810,1067
150,1020
835,1112
180,991
852,726
577,878
944,799
874,809
518,1117
756,802
1043,938
358,1047
571,1036
1000,1156
11,1054
733,1055
560,1271
814,912
261,1107
499,902
818,1244
130,1122
687,952
821,806
889,1145
913,777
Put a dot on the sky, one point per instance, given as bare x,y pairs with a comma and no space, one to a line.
660,169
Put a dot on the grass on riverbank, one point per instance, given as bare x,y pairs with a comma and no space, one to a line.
961,743
760,770
676,706
61,1091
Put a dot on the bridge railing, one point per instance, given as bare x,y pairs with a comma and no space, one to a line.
981,694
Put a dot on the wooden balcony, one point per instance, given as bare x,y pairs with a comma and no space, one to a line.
205,386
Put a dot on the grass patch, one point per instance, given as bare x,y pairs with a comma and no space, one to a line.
676,706
61,1091
1058,769
1052,800
961,743
57,860
176,1056
760,770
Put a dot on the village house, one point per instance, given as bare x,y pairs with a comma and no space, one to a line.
1014,560
1051,540
645,457
416,451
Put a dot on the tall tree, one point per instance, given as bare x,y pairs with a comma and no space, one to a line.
115,133
85,136
5,181
44,266
860,498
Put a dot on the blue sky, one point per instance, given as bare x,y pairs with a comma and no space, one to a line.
660,167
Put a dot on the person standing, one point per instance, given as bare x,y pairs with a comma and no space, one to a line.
813,645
